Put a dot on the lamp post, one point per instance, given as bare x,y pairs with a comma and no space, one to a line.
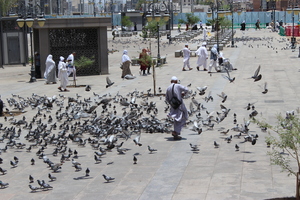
231,7
112,14
293,39
212,7
217,28
29,19
157,18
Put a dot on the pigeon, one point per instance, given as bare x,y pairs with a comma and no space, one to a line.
225,132
216,144
109,83
265,89
228,139
33,188
151,149
88,88
97,159
228,76
3,185
52,178
108,178
128,77
136,140
134,160
32,161
87,172
223,96
3,171
256,75
202,90
13,164
31,179
194,147
237,148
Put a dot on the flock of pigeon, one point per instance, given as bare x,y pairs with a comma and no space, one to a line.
62,125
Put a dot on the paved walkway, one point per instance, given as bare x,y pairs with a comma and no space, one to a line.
174,171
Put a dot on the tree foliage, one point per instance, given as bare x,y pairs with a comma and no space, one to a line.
223,22
285,144
5,6
151,28
84,62
126,21
190,19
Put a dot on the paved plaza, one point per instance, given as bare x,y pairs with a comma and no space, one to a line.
174,171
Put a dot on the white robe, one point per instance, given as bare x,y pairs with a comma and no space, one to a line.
204,34
63,74
202,56
50,72
72,69
186,57
180,114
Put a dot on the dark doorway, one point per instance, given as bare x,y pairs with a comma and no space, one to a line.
13,50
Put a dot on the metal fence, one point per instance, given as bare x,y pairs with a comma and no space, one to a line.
249,17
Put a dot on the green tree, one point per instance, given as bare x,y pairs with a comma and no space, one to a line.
223,23
126,21
190,19
285,145
5,6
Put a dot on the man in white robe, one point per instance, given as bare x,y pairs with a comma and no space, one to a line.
180,115
186,57
202,56
71,66
214,55
50,72
63,75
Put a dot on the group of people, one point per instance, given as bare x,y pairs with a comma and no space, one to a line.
202,55
65,68
144,60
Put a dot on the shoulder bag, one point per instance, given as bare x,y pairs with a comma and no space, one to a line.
174,102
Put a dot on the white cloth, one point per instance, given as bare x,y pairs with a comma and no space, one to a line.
202,56
204,34
125,56
70,59
50,72
214,63
63,74
180,114
186,57
71,66
50,64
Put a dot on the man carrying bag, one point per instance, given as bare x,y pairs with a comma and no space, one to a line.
178,111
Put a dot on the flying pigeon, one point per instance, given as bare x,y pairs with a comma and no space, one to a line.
109,83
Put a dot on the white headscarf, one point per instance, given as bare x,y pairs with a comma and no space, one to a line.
50,64
125,57
61,58
214,49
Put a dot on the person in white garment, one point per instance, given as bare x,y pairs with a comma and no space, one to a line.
202,56
204,33
180,115
63,75
50,72
186,57
214,54
71,66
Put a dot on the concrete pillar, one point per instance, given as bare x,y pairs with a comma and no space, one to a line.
102,53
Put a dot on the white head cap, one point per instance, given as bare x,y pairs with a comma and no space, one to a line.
204,43
61,58
174,78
